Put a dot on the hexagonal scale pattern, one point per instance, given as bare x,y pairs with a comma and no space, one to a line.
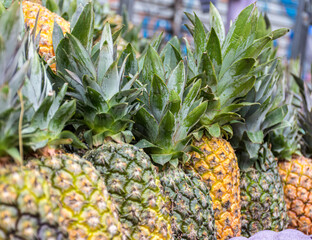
297,179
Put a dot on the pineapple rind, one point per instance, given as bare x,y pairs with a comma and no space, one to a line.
191,207
132,182
263,205
45,26
26,210
87,210
219,169
297,180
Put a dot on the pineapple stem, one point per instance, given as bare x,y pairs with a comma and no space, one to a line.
20,124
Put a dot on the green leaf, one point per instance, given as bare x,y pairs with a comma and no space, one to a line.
255,137
191,62
274,117
214,51
195,115
111,83
61,117
75,140
102,122
107,37
145,144
241,34
279,33
14,153
72,56
174,102
239,88
216,22
255,49
214,130
152,65
105,61
199,38
83,29
176,81
147,126
159,97
166,130
161,159
171,55
2,8
190,99
52,6
57,35
207,69
228,129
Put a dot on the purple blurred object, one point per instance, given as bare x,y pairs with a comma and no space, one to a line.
234,8
288,234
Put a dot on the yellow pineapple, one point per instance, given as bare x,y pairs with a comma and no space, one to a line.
297,178
219,169
45,27
295,166
225,66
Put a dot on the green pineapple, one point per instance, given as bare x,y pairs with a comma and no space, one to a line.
87,211
105,105
26,209
163,128
262,197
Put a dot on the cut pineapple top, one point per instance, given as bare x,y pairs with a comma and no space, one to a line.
44,26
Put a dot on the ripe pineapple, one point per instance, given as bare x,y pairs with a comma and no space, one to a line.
294,167
86,209
163,128
262,198
44,26
26,210
106,103
225,66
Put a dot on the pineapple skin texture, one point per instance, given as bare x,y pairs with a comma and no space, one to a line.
191,207
45,25
87,210
218,168
26,210
297,180
262,199
133,183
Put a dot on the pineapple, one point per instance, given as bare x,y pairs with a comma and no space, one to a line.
163,128
44,26
294,167
106,103
87,211
26,210
262,198
225,64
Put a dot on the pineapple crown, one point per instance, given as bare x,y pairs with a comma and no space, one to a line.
163,126
260,119
105,98
305,115
13,70
47,113
225,64
286,141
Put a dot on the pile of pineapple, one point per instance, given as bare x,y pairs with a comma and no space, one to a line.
104,141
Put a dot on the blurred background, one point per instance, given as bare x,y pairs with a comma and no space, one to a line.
154,16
